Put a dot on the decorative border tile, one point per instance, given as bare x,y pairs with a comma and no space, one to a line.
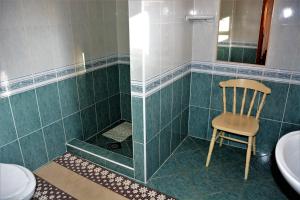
166,78
224,69
206,67
155,83
112,181
238,44
136,87
14,86
23,84
44,190
247,71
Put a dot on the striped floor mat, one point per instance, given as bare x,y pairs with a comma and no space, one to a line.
78,178
46,191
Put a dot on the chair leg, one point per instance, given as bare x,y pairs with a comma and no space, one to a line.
254,145
221,139
248,157
211,146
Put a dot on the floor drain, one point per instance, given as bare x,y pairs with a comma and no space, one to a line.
115,145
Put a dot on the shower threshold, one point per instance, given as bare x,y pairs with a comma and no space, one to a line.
102,156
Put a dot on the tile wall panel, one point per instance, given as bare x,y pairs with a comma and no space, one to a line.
48,116
167,116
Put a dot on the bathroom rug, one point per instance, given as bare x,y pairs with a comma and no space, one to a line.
46,191
115,182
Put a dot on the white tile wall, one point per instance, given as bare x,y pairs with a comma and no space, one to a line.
160,37
284,48
122,26
205,33
39,35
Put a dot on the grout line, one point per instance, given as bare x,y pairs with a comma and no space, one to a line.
63,124
38,107
94,92
80,111
4,145
168,158
120,98
159,132
15,127
145,140
284,110
189,113
144,121
170,123
210,103
108,99
181,105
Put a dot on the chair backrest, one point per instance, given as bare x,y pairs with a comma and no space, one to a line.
247,85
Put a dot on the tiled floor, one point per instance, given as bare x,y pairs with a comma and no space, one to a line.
184,175
104,142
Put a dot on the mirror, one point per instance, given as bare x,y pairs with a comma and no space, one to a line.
244,28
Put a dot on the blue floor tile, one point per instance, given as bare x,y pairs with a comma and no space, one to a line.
184,175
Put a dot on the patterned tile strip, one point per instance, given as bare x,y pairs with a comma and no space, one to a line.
47,191
14,86
113,181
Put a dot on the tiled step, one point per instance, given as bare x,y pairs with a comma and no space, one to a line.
103,157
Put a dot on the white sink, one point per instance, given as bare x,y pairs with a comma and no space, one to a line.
287,155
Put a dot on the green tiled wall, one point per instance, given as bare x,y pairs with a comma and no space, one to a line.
166,122
125,96
138,138
280,114
237,54
36,124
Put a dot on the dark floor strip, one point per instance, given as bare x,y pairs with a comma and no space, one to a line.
111,180
44,191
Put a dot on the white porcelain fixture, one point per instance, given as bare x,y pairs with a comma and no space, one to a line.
287,155
16,182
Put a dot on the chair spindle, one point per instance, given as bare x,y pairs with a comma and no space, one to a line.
252,103
261,105
234,99
243,101
224,99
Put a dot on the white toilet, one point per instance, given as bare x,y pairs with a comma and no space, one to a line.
16,182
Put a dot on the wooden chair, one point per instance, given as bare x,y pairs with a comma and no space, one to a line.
238,123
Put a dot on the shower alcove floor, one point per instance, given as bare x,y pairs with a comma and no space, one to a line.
113,154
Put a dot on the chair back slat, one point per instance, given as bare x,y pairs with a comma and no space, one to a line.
246,85
261,105
243,102
234,100
252,103
224,99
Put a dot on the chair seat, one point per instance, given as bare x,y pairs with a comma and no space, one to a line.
235,123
